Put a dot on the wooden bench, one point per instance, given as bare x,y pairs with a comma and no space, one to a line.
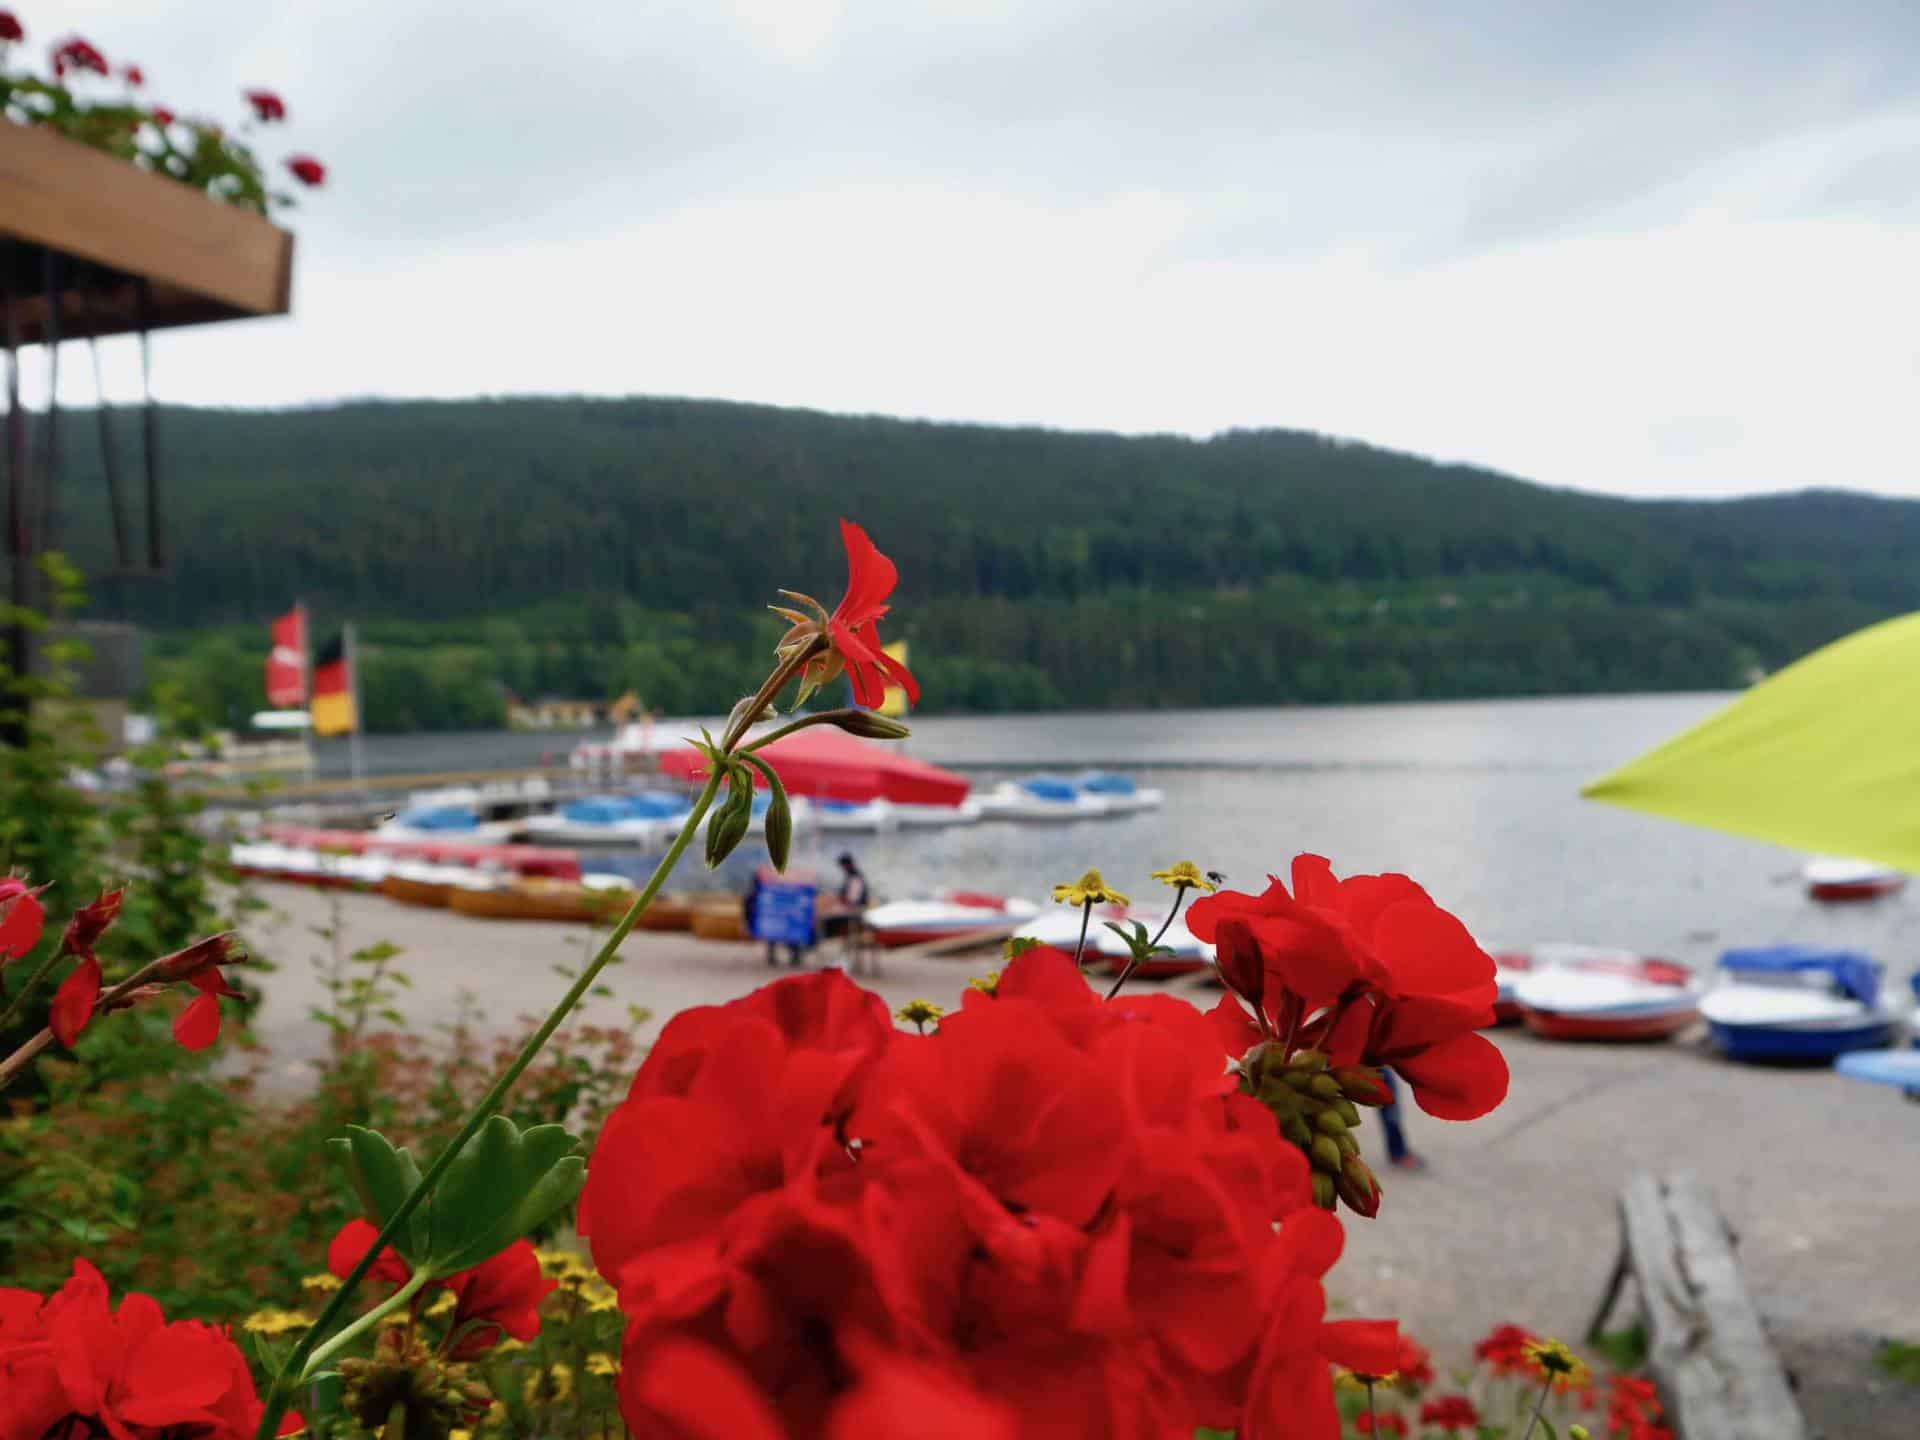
1718,1375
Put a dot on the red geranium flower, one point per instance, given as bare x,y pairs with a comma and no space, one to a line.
1369,970
854,624
77,54
74,1001
1415,1365
1450,1413
134,75
91,921
1503,1350
267,106
74,1363
852,630
10,27
306,169
22,918
1387,1422
499,1296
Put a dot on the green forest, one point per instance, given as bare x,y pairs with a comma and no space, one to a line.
585,548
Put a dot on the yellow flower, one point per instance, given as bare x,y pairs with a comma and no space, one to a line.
320,1284
443,1304
1185,874
1557,1360
919,1014
1089,889
599,1295
276,1322
600,1363
1014,946
986,984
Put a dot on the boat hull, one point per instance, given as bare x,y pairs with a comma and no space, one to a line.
1839,892
1775,1042
416,892
520,903
1573,1025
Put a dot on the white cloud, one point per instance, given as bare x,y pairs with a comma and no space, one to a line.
1091,217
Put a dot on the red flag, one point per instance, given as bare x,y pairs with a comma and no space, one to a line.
287,664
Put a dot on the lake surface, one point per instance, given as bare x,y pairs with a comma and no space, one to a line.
1477,800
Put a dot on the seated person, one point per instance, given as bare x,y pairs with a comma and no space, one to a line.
851,903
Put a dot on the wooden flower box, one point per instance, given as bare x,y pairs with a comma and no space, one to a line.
109,225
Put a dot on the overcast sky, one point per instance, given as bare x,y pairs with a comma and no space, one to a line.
1651,248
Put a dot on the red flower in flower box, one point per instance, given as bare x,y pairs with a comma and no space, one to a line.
77,54
10,27
307,170
267,106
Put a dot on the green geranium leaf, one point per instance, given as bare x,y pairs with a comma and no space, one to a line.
505,1183
382,1177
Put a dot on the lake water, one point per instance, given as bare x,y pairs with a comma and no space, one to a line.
1479,801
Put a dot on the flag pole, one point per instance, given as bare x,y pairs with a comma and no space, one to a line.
306,684
355,758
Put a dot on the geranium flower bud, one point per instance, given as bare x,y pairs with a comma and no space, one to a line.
1358,1188
1362,1084
1325,1154
90,922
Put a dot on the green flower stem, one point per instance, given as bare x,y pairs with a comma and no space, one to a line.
415,1284
299,1364
1373,1418
1179,894
1538,1405
1086,915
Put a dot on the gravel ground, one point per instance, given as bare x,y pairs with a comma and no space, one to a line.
1514,1218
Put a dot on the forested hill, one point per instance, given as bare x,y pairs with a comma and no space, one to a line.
590,545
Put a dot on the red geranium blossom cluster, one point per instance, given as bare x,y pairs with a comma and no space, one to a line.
71,1363
10,29
75,54
1347,977
1503,1350
80,996
1050,1216
498,1297
1634,1411
1451,1414
267,106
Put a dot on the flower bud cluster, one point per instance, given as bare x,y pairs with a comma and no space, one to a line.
1317,1108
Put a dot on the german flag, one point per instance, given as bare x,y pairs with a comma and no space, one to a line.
335,711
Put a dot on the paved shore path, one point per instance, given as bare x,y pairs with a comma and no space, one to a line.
1513,1220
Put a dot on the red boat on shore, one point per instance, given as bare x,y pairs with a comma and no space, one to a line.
1836,880
1576,992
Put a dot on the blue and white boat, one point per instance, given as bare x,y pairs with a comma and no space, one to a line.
1122,796
445,822
1042,797
1800,1002
625,820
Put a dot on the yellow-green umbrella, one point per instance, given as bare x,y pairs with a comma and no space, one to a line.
1823,756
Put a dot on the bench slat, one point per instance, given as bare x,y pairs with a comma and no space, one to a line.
1717,1370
